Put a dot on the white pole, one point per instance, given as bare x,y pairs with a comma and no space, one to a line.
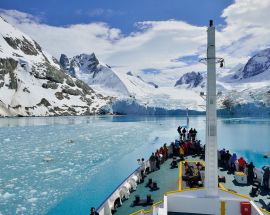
211,169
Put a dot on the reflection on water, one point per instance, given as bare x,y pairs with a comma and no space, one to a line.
63,165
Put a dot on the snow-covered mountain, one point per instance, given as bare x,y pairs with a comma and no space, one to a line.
32,82
258,64
190,80
126,87
103,78
88,69
247,87
257,69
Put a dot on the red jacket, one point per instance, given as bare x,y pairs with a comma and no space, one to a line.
241,162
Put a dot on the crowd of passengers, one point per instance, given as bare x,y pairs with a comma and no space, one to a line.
187,145
232,163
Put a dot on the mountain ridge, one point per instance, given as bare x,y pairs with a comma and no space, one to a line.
32,82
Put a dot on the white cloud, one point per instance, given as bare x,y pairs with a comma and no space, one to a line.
16,17
71,40
247,27
155,43
99,12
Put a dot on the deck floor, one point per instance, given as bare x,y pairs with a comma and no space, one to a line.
263,200
167,180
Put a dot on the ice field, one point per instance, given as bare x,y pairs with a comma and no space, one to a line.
65,165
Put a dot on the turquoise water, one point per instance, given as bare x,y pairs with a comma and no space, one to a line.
92,155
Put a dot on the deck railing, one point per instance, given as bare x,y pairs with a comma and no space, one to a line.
103,203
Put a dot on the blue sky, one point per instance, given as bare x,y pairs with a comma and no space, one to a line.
120,14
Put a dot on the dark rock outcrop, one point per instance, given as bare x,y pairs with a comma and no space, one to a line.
192,79
258,64
24,45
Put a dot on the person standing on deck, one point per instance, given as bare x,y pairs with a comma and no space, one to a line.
162,154
142,164
157,161
250,172
222,154
232,161
152,161
180,132
189,134
242,164
184,133
266,177
93,212
227,157
194,133
165,148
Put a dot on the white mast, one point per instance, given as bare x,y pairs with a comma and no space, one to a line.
211,169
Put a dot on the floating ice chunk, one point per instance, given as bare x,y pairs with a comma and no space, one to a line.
47,159
32,200
70,141
44,193
10,186
117,135
19,209
47,152
53,170
7,139
33,191
7,195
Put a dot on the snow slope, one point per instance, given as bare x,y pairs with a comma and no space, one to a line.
32,82
127,88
